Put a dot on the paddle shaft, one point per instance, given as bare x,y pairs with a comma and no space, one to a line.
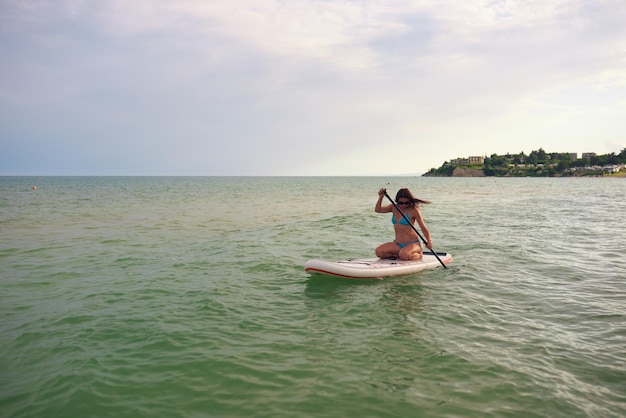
414,229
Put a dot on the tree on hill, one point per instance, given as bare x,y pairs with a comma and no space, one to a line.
537,163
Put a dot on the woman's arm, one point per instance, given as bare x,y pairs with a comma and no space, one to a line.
379,208
424,228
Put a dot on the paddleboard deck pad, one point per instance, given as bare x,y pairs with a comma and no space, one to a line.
375,268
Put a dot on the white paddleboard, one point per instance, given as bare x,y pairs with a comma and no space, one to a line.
374,268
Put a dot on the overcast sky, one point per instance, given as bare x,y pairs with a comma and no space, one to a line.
304,87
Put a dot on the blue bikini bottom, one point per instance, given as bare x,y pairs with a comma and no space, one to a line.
412,242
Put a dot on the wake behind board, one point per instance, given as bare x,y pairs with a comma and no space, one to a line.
374,268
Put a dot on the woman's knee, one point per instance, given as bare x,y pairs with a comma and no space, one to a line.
386,250
411,252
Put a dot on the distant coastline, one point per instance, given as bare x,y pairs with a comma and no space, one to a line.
536,164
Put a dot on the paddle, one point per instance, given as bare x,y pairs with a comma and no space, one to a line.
413,226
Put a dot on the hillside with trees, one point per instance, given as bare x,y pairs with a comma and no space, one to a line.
536,164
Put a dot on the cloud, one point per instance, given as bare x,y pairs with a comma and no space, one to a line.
327,87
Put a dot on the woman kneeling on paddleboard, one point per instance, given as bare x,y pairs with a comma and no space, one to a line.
407,244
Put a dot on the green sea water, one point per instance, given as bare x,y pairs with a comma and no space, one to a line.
187,297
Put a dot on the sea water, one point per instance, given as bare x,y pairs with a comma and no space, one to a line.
187,297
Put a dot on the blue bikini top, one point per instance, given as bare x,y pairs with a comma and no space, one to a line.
402,221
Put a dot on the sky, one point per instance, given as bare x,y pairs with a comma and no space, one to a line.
304,87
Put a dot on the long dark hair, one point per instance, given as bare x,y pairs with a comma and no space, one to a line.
406,194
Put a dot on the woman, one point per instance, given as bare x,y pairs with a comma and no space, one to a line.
407,243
